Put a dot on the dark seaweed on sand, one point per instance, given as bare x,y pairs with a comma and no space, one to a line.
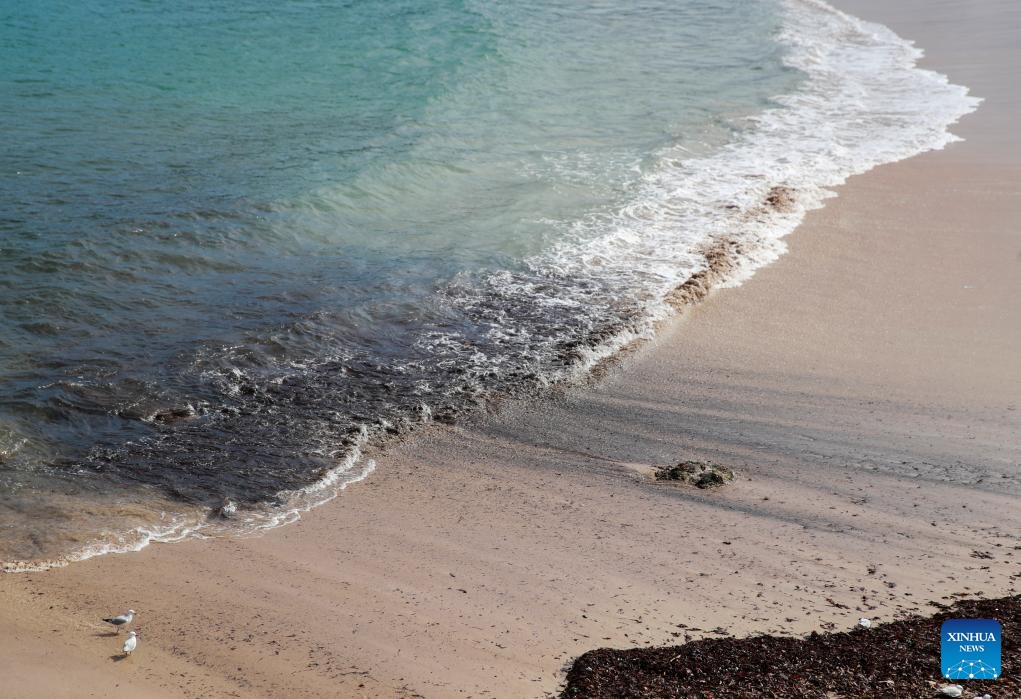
701,474
898,659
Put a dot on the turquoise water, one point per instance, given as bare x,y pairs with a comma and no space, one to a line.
237,238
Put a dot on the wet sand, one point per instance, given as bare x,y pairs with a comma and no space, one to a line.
866,389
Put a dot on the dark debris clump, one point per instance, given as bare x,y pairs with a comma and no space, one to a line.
701,474
898,659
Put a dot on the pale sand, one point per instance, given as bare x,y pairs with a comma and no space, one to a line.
867,389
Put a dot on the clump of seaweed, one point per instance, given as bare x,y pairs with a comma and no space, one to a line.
781,198
721,258
895,659
701,474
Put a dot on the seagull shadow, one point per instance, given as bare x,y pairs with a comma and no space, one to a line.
117,657
106,634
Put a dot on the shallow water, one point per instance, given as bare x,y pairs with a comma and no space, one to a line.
238,241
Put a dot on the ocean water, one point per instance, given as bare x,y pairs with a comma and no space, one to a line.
238,240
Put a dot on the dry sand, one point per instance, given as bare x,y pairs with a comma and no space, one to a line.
866,388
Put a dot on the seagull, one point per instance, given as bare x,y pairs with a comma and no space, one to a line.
130,643
122,620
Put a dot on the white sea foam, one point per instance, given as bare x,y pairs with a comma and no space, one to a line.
173,527
176,527
863,102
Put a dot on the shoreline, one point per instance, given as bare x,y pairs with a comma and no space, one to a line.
857,403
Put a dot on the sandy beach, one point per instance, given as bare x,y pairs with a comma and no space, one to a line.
866,390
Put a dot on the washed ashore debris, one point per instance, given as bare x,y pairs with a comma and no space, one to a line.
782,199
701,474
121,620
865,623
720,259
952,690
228,509
722,255
895,659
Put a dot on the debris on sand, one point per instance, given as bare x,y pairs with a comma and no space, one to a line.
701,474
896,659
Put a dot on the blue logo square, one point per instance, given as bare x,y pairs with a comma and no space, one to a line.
970,649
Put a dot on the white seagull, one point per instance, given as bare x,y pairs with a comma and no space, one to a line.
122,620
130,643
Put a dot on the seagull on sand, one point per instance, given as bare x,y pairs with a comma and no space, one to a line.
122,620
130,643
